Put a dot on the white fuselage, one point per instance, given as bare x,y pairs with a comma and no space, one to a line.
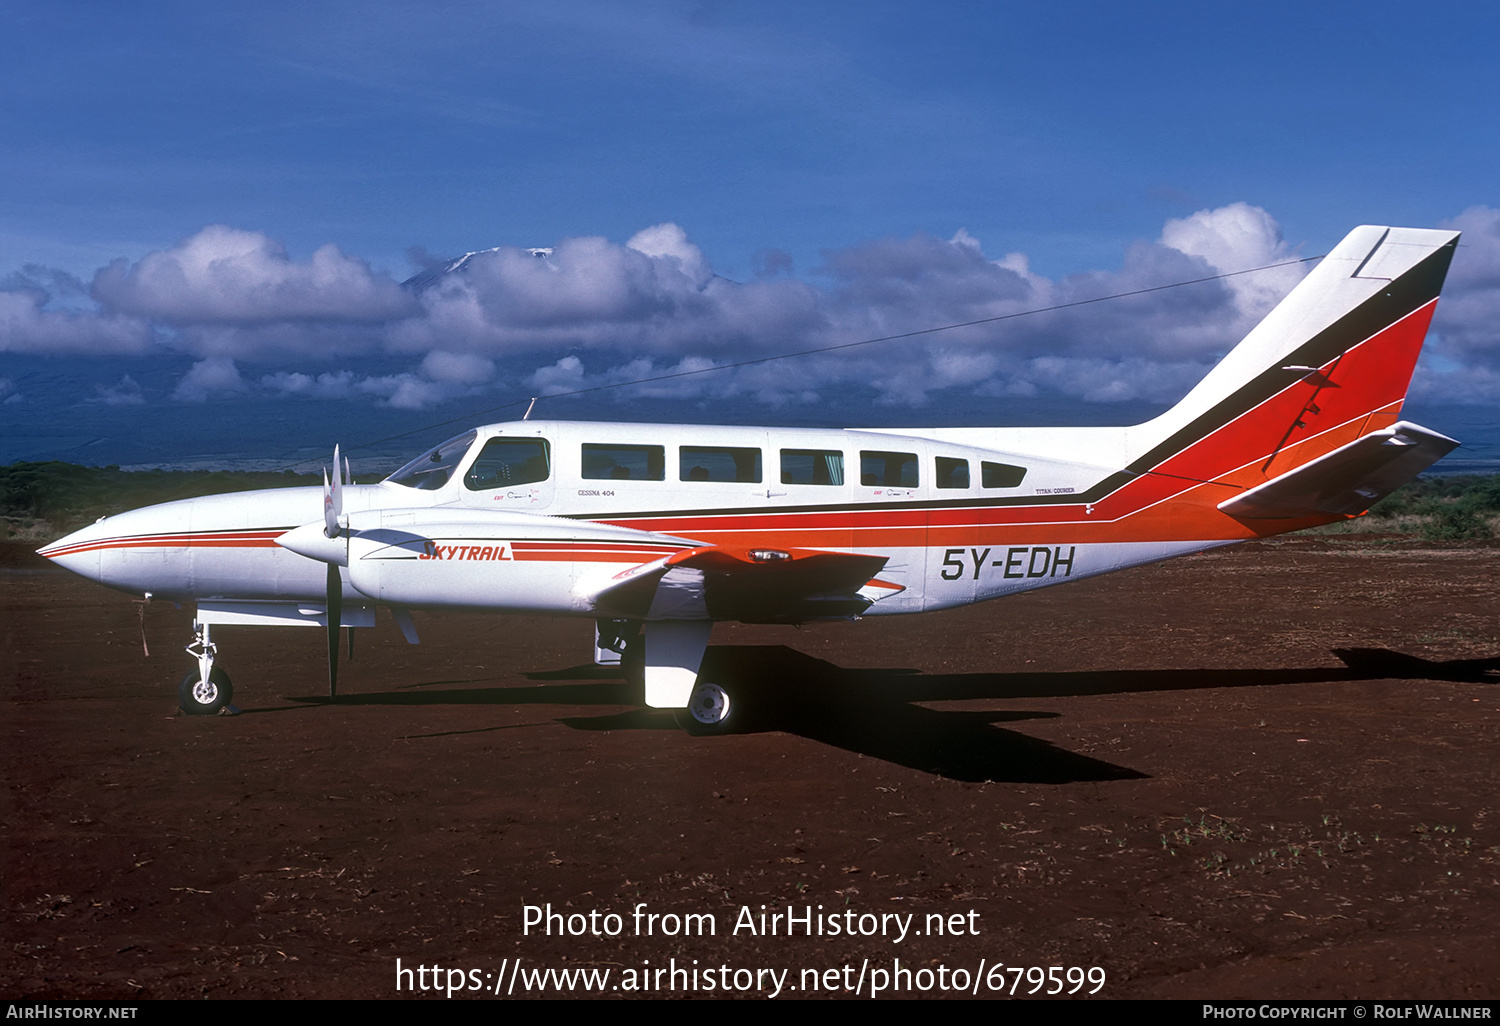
956,521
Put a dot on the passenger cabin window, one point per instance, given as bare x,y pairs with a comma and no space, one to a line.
952,473
624,462
504,462
812,467
718,463
1000,475
888,469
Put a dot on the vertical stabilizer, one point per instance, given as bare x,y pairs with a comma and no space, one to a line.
1337,353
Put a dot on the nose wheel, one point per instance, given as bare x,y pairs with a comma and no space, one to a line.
710,710
204,697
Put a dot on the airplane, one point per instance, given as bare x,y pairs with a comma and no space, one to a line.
657,531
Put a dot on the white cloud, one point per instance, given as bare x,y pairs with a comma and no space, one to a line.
225,275
125,392
1469,313
655,294
597,312
442,376
328,385
213,376
1231,239
1109,381
27,327
404,391
670,242
1462,364
457,368
566,375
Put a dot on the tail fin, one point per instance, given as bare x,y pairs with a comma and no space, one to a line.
1329,366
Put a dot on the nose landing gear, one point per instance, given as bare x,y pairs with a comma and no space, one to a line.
206,688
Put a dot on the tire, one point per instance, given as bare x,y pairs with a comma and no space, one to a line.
198,698
711,710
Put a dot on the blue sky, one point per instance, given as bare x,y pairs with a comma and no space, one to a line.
206,209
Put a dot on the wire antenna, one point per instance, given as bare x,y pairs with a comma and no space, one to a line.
471,417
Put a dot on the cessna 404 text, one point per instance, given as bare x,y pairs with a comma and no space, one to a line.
657,531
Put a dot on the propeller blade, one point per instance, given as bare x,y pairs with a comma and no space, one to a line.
333,497
330,518
335,610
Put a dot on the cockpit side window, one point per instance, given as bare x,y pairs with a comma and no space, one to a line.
431,470
505,462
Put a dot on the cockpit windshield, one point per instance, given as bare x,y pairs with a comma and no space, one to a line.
431,470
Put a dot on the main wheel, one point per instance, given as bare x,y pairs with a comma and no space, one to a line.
199,697
710,710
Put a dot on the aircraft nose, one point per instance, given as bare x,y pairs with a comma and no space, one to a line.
78,552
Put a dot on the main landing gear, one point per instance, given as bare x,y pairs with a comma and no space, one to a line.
710,710
206,689
664,659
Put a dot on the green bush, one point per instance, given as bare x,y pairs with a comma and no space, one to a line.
1443,508
67,496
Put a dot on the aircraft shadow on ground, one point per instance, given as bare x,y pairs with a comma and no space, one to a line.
874,712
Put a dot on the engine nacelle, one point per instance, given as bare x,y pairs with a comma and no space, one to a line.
456,559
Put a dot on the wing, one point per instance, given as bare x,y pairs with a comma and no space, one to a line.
755,585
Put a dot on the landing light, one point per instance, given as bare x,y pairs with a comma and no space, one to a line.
768,555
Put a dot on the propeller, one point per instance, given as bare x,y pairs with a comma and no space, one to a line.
333,498
333,526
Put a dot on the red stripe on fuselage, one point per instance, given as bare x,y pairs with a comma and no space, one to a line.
221,540
589,551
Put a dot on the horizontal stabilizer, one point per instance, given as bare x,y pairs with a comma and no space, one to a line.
1348,480
758,585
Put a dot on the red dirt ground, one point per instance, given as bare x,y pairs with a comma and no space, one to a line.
1265,772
